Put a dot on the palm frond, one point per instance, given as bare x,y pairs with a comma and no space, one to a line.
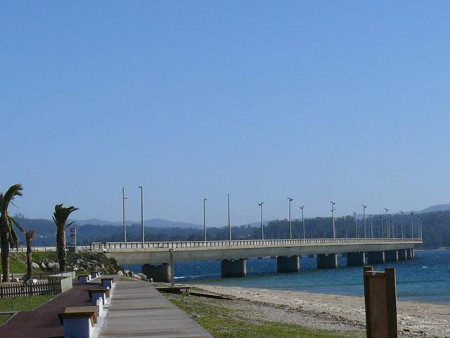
13,239
12,220
29,235
61,214
8,196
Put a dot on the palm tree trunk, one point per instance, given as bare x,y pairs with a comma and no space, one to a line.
61,247
29,260
5,256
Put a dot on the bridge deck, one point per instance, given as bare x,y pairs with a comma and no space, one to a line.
138,310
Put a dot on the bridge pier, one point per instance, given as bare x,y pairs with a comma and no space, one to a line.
327,261
391,256
233,268
287,264
356,258
375,257
410,253
402,255
159,273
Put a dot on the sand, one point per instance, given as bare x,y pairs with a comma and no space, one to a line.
335,312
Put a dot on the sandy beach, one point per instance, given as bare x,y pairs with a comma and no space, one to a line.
334,312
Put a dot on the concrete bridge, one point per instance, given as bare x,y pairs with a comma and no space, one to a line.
158,258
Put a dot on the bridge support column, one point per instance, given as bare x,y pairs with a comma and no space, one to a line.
410,253
286,264
159,273
329,261
402,255
356,258
375,257
391,256
233,268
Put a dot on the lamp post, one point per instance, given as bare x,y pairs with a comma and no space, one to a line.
356,224
332,218
290,223
142,215
364,220
385,222
229,217
371,226
303,222
381,226
412,224
204,216
123,216
401,225
262,224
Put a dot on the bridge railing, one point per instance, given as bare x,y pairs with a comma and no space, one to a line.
47,248
97,246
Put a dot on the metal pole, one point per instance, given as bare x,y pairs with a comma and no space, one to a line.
142,215
262,224
385,222
356,225
204,217
332,218
401,225
290,223
371,226
303,222
123,216
382,227
364,220
229,217
412,224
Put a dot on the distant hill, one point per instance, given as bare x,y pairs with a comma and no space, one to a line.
438,207
155,222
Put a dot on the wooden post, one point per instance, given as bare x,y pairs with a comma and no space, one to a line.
380,298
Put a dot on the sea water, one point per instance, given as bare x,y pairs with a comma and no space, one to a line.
426,278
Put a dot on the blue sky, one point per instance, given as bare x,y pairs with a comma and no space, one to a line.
319,101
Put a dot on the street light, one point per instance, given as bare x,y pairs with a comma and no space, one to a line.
401,225
123,216
303,222
290,223
364,220
356,224
332,218
229,217
204,216
262,224
385,222
142,215
371,226
412,224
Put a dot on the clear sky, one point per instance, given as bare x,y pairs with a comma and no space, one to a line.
318,101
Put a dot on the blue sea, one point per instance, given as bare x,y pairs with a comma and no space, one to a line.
426,278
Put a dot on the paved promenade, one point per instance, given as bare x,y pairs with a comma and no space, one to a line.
44,321
138,309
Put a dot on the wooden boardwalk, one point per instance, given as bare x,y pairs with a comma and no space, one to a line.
137,309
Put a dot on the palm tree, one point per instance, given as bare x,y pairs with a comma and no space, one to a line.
60,217
8,236
29,235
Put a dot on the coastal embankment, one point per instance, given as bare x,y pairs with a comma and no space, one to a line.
332,312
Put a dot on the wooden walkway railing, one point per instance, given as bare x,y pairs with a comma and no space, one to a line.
25,289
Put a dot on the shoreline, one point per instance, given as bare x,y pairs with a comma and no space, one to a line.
337,312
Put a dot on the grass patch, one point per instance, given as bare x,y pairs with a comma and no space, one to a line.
26,303
221,319
17,262
4,318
